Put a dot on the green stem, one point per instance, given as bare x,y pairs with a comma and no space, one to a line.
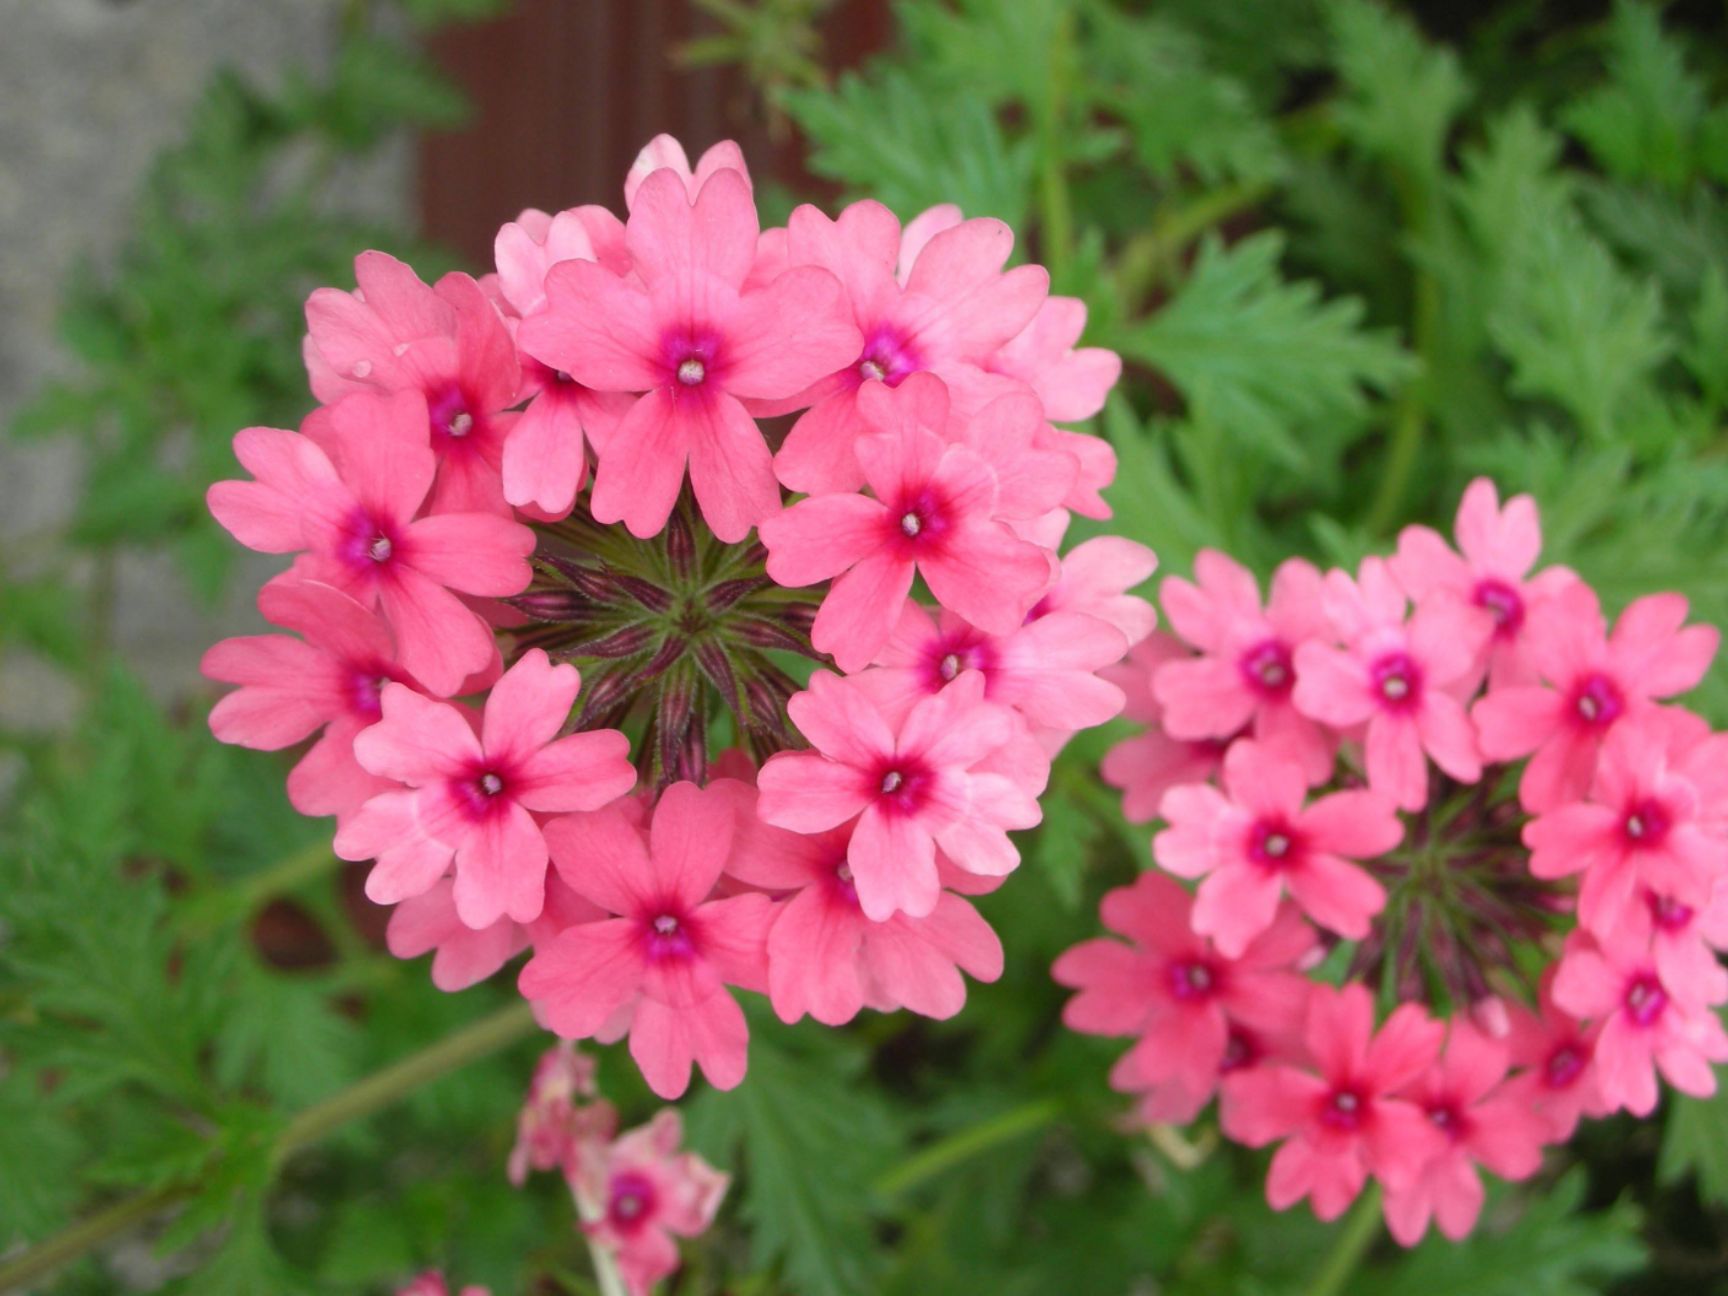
241,898
364,1098
1354,1239
962,1145
1055,210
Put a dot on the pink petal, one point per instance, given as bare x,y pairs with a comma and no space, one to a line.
818,538
1330,686
501,869
476,553
583,977
583,771
641,466
602,856
731,470
1338,896
1234,905
665,1040
857,615
689,841
440,641
597,327
893,862
674,239
527,707
806,792
840,720
788,335
813,959
543,463
1357,825
418,741
1449,737
1397,767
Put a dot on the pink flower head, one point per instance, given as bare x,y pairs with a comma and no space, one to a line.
1255,841
1181,995
670,951
1045,669
1647,1023
665,153
1643,828
1338,1116
462,955
1246,671
912,787
469,796
396,334
947,314
549,1127
1149,764
1071,381
644,1193
1480,1122
1096,577
1591,682
352,512
1555,1056
1492,572
292,688
543,462
934,514
1396,678
689,333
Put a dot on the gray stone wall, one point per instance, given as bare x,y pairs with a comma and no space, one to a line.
90,92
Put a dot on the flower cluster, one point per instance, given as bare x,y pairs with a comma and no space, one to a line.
563,557
634,1192
1403,958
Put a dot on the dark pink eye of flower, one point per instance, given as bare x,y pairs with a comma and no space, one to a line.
1647,822
887,357
1192,980
367,542
449,415
1449,1120
669,936
1268,669
692,359
365,685
1597,701
1502,602
1272,842
1645,1000
902,786
631,1200
482,792
918,521
1344,1110
1241,1050
1396,680
1671,915
952,656
1565,1064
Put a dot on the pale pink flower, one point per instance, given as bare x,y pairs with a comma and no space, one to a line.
1245,674
1174,989
462,955
1480,1122
1591,681
1338,1115
1071,381
1149,764
827,959
1648,1023
355,523
469,796
1095,579
1256,840
551,1130
1396,677
1684,940
1555,1056
950,310
643,1193
1492,572
912,787
665,153
1045,669
291,689
397,334
934,514
1642,828
672,949
688,332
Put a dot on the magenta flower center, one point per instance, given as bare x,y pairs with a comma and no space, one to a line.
947,659
1597,701
1671,915
919,520
1240,1050
631,1200
448,414
1646,824
887,357
1396,680
902,786
1565,1065
1267,668
1192,981
669,936
367,543
691,358
1645,1000
1344,1109
1502,602
481,793
1449,1120
366,683
1273,843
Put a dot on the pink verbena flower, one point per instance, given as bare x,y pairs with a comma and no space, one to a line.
291,688
1256,841
912,787
1480,1122
396,334
1096,577
688,332
665,153
672,948
549,1128
544,464
1071,381
1648,1023
934,514
1184,998
1149,764
1591,682
1338,1116
1643,828
353,515
1555,1056
469,796
645,1192
1245,674
1395,677
462,955
952,310
1492,572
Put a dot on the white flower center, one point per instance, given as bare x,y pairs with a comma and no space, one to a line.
692,371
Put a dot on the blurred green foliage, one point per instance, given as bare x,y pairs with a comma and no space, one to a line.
1351,264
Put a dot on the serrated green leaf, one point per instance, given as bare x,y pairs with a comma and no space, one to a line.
1642,124
1401,93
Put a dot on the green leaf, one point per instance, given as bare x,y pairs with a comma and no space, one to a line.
285,1032
1642,124
1706,352
1695,1143
1401,94
1263,359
